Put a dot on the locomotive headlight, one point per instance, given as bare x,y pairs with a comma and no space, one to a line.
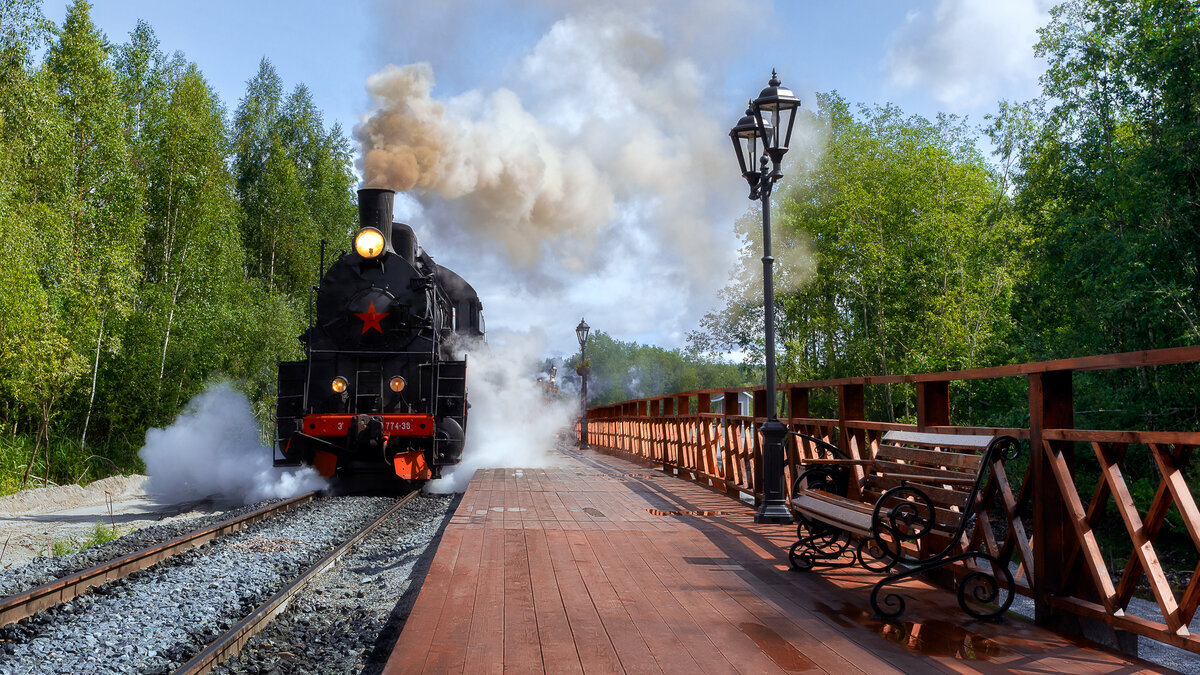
369,242
397,384
338,385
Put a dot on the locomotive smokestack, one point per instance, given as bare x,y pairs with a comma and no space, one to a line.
375,210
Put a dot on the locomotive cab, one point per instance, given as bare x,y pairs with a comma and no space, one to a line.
380,391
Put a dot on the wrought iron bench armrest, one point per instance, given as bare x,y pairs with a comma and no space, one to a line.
822,445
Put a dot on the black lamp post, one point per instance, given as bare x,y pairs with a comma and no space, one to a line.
553,372
768,120
581,332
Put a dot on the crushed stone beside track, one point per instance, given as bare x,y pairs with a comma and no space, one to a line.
348,620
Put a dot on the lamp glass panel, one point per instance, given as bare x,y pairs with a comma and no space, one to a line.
749,143
786,118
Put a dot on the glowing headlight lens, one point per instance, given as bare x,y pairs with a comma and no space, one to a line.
339,384
397,384
369,242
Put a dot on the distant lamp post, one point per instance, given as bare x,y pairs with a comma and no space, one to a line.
581,332
553,372
768,122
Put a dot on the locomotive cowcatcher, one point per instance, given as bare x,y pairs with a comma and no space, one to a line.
380,392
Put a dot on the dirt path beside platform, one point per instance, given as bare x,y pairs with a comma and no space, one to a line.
31,520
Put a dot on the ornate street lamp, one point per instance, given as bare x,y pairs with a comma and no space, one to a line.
768,122
581,332
553,372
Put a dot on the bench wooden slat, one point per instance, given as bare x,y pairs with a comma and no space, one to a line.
840,501
949,475
945,467
838,513
912,501
960,441
956,460
939,496
944,519
942,480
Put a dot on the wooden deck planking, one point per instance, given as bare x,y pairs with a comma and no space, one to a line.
566,569
554,629
596,651
669,651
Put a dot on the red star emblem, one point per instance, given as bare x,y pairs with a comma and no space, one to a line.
371,319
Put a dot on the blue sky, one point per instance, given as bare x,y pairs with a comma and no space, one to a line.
625,103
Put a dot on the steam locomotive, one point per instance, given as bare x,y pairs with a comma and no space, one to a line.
379,392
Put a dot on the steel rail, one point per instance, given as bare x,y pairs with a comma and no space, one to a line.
27,603
231,642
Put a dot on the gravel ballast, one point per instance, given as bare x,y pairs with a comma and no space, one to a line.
42,570
156,619
348,620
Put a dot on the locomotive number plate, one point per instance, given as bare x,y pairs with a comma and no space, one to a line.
393,425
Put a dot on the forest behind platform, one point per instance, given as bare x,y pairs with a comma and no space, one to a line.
902,248
155,238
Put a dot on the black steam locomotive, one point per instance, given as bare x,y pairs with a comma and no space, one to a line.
379,391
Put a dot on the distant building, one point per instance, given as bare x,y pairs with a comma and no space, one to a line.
744,399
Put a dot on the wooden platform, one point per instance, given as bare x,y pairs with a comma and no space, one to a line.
602,565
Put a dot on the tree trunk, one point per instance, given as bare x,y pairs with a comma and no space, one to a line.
46,434
37,445
162,365
92,397
169,235
271,273
43,431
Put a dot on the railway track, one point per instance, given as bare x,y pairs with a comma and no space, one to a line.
25,604
231,642
196,610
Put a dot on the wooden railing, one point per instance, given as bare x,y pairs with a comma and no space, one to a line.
1038,518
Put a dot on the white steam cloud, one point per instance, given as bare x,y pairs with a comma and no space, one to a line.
589,172
213,449
513,420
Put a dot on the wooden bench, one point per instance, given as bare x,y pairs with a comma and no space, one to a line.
908,514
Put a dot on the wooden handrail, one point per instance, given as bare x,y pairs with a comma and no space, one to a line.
1139,359
723,451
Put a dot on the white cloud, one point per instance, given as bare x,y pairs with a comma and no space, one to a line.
969,52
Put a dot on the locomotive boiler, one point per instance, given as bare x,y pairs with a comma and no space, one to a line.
380,391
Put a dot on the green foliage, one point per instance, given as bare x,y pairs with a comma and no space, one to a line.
905,259
127,284
100,534
293,179
625,370
1105,169
1104,172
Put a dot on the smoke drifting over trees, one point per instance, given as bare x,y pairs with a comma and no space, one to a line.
597,160
516,184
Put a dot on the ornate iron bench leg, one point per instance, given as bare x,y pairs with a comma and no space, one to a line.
977,589
823,546
983,588
873,557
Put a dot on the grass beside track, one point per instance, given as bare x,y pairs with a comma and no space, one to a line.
68,464
100,534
